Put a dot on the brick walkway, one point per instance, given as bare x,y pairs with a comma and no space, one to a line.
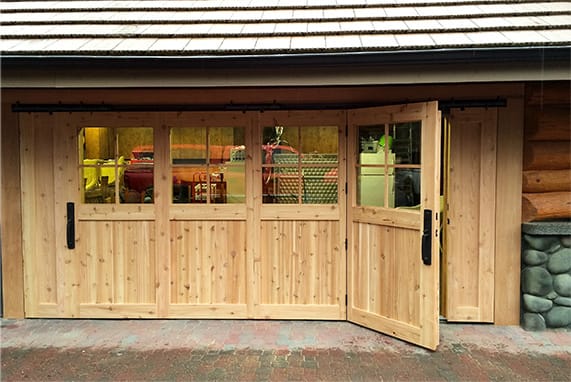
228,350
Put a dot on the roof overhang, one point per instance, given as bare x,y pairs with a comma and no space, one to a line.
344,68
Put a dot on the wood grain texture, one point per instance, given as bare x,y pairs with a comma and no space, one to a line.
546,206
549,123
66,190
38,240
119,269
162,194
208,262
548,93
471,206
389,287
547,155
508,217
546,181
300,263
11,215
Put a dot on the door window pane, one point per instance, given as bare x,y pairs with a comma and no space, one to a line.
307,177
208,164
372,185
388,165
116,164
407,187
136,143
404,142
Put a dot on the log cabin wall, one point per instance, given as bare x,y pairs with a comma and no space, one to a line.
546,176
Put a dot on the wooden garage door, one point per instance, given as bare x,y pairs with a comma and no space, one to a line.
88,251
209,266
184,215
394,219
299,222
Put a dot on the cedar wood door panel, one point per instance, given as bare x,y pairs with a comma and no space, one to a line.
299,261
109,271
390,289
471,208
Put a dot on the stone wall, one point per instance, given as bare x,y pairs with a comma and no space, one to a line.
546,275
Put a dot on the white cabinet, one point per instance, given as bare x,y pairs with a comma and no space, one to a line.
372,179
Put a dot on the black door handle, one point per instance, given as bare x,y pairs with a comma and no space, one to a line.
70,227
427,238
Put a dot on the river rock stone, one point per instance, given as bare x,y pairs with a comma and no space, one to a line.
560,261
565,241
552,295
533,322
554,248
536,304
558,317
536,281
541,243
562,284
565,301
533,257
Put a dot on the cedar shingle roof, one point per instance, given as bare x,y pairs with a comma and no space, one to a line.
188,28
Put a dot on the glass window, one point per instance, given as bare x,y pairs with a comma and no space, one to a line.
300,164
116,164
208,164
388,167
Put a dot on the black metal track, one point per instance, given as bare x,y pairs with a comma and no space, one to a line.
94,108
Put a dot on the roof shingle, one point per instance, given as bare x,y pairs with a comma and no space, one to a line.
230,27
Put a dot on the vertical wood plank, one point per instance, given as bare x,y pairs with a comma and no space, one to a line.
66,189
471,216
147,267
508,217
487,221
120,269
353,229
254,292
96,262
103,258
376,248
179,265
162,199
430,199
409,290
342,196
29,238
11,215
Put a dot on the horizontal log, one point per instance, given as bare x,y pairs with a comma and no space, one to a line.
549,124
547,155
546,206
541,94
546,181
